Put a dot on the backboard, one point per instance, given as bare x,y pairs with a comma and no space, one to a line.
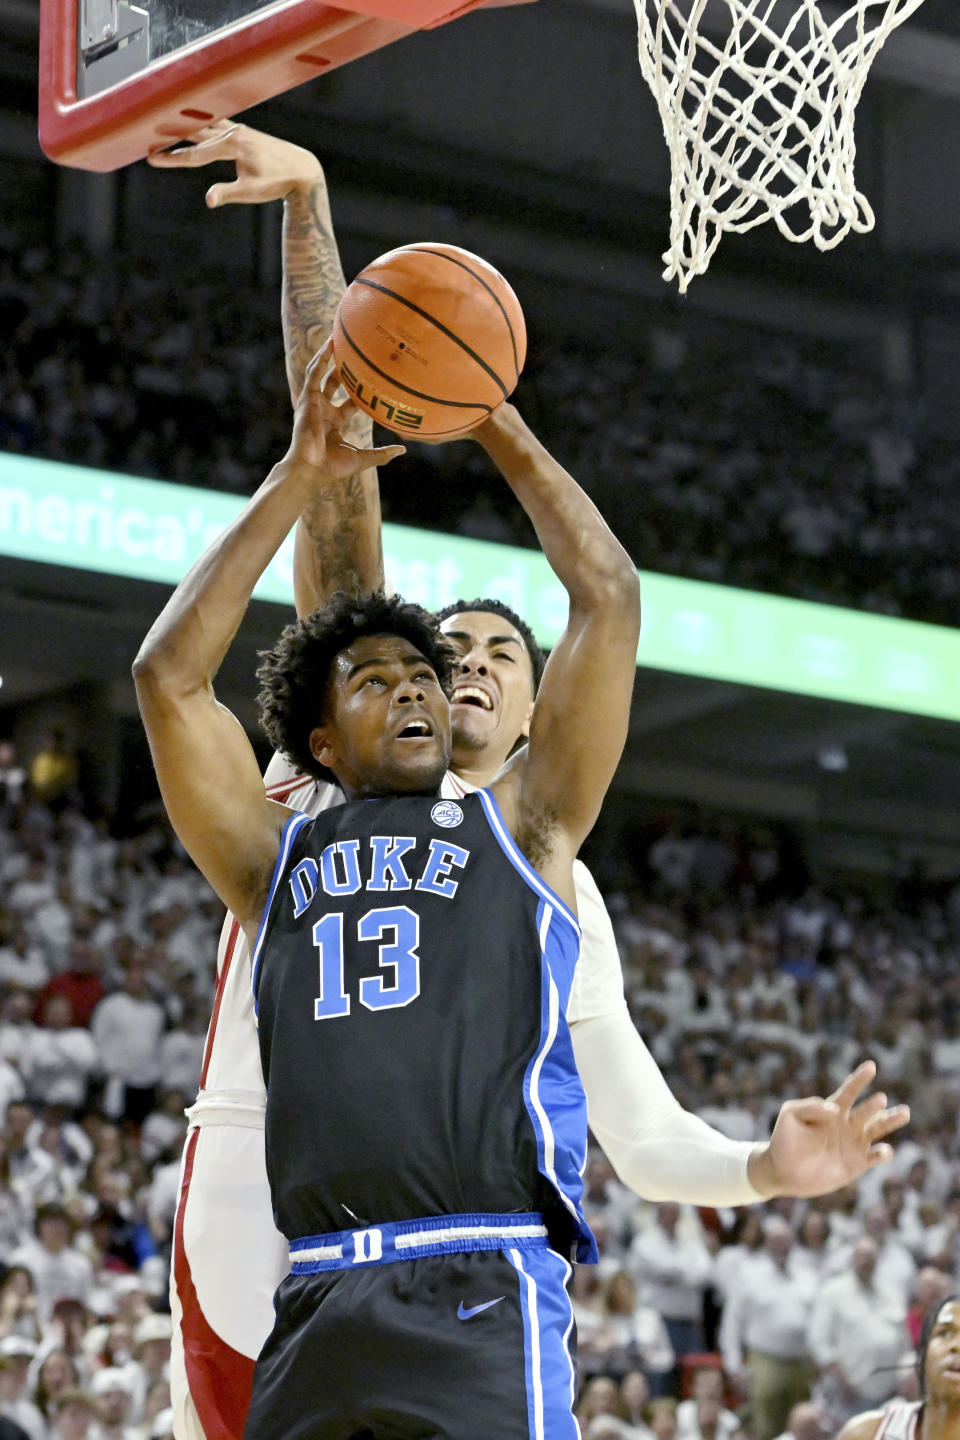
119,78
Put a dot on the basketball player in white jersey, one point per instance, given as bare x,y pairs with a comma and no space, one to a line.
228,1257
936,1415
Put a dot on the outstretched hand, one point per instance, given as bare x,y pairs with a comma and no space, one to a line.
319,421
267,168
820,1145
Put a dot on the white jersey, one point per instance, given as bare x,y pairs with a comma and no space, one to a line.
900,1420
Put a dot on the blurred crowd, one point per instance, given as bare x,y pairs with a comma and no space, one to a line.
764,466
748,460
750,985
106,977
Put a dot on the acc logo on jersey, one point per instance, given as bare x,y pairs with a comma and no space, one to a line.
446,813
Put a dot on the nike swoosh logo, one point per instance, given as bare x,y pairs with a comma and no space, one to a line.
464,1314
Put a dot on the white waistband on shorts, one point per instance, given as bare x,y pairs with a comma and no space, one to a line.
416,1239
245,1108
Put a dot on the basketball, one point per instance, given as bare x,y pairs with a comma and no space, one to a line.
429,340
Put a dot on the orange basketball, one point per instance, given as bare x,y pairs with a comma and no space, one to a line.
429,340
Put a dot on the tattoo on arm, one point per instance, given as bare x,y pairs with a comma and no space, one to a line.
313,285
339,545
338,525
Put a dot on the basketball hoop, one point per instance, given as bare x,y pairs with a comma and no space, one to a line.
757,100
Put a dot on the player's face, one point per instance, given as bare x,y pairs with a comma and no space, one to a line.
388,724
491,698
942,1364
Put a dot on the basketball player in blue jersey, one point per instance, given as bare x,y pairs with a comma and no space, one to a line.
657,1147
412,960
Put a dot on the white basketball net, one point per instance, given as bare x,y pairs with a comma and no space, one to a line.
757,99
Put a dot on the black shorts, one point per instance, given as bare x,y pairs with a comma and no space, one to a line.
446,1347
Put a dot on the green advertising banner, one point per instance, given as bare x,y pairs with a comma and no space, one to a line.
150,530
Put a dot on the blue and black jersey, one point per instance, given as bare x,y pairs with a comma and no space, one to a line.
411,979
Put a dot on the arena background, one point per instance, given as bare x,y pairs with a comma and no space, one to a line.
789,428
528,135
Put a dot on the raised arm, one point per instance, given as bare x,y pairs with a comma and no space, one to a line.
580,718
206,767
338,542
339,545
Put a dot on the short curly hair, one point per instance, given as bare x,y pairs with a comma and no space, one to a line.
295,675
496,607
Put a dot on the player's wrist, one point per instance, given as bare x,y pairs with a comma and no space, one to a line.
504,424
303,185
762,1172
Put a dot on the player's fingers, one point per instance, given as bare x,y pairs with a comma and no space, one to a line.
886,1122
321,382
383,455
850,1090
218,127
234,192
813,1111
863,1113
317,364
879,1155
331,381
205,147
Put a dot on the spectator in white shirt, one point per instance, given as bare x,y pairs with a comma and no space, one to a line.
586,1301
631,1336
92,864
896,1270
152,1338
739,1248
812,1250
164,1126
34,888
52,925
72,1415
59,1269
162,1195
857,1334
19,1326
32,1172
16,1030
902,1206
805,1422
15,1404
63,1056
724,1111
672,1272
11,1086
22,962
597,1397
763,1334
112,1402
634,1395
181,1052
127,1027
704,1416
16,1212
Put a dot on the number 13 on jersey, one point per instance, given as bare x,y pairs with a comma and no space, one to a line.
397,953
